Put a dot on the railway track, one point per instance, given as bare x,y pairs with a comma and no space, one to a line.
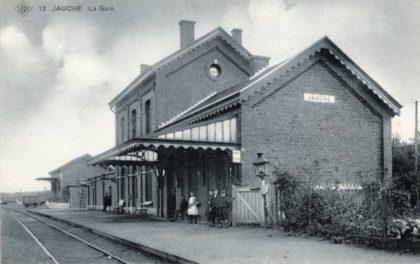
63,246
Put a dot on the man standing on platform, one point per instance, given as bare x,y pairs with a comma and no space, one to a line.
212,208
264,190
105,202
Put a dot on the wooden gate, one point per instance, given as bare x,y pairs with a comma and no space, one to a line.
247,206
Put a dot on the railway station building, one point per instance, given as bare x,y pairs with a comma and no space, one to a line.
196,120
67,175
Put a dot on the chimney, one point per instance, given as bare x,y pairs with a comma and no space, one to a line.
237,35
143,68
186,30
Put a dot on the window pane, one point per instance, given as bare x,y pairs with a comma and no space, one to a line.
178,135
233,130
133,123
219,131
210,132
147,116
194,133
226,130
171,135
186,134
161,136
203,133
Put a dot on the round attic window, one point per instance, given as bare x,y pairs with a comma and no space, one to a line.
215,70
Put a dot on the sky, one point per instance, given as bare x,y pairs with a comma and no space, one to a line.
59,70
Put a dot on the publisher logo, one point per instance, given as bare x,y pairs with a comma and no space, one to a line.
23,8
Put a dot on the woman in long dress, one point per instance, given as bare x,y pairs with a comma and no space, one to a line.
192,208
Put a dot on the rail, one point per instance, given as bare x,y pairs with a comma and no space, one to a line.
67,233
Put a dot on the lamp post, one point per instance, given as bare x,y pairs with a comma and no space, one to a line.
260,167
159,173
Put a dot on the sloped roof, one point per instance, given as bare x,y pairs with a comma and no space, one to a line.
149,72
202,104
83,157
174,118
51,179
324,43
248,88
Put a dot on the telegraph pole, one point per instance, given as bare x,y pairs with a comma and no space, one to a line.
416,149
416,159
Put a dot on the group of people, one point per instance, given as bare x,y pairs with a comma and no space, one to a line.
219,206
190,207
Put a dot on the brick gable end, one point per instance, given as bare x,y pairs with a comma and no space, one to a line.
345,136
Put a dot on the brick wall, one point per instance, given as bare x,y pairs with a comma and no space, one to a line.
350,138
184,82
134,100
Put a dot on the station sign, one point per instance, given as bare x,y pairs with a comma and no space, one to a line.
319,98
236,156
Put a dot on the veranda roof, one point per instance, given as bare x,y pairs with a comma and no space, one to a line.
128,153
50,179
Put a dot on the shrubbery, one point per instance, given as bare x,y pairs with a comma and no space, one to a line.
342,215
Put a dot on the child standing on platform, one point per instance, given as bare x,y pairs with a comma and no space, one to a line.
224,206
192,208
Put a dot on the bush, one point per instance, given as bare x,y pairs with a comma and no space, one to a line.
400,203
337,214
361,216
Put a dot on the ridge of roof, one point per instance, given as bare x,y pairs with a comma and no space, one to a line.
362,75
217,32
326,43
280,65
84,156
